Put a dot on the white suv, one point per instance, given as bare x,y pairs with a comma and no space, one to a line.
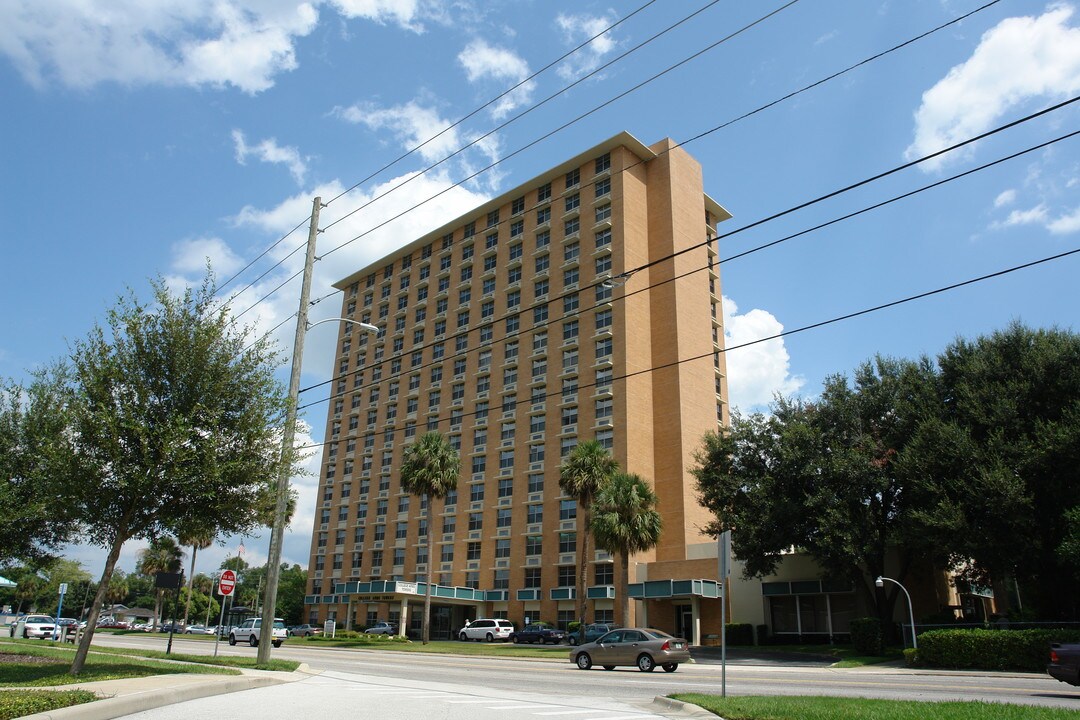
486,629
249,631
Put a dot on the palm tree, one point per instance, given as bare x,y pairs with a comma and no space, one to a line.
163,555
585,472
197,541
625,521
430,467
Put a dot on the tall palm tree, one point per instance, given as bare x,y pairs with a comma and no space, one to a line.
429,467
197,541
163,555
585,472
625,521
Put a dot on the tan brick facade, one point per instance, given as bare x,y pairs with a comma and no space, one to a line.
500,331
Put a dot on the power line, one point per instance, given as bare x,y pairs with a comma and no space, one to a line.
760,247
489,103
565,125
785,333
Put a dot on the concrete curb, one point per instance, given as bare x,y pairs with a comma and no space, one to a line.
124,697
683,709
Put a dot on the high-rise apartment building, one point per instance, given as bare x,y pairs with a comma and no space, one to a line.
584,304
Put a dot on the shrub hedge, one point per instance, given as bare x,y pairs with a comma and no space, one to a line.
739,633
867,636
1023,650
18,703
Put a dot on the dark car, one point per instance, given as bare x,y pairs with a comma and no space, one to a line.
172,627
1065,663
644,648
592,632
542,633
304,630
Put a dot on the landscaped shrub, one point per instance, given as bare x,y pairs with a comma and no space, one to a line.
739,633
19,703
762,634
867,637
1024,650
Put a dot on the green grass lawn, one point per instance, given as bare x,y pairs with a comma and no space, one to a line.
16,704
450,647
45,664
833,708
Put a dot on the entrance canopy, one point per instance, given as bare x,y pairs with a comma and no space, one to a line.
663,589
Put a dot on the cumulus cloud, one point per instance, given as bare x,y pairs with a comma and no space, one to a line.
1008,197
756,373
244,44
416,125
483,61
578,28
269,151
1019,60
1066,224
189,257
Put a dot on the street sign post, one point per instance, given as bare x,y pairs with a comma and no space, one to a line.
226,583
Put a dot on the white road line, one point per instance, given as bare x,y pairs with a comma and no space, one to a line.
569,712
520,706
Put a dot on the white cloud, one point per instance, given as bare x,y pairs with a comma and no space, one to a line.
1019,60
189,256
1035,215
483,61
1066,224
270,152
756,373
416,125
240,43
1007,197
578,28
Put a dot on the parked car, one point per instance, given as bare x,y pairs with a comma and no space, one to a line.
40,627
486,629
173,627
542,633
305,630
644,648
250,631
382,627
198,629
592,632
1065,663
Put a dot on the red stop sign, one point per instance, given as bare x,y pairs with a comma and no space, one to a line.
227,583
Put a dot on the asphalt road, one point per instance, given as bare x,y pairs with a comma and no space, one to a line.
562,684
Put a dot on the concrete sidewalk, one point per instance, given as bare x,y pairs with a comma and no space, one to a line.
132,695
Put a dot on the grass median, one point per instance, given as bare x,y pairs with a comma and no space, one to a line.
753,707
26,664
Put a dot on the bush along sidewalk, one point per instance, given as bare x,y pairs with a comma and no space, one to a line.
1020,650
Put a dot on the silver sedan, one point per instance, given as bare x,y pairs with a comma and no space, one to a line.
644,648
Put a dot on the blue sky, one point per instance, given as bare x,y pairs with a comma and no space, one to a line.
143,137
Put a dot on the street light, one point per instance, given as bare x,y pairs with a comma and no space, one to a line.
911,613
277,532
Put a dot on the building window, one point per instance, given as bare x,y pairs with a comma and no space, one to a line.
571,251
573,178
476,492
517,206
567,576
572,202
534,514
543,215
603,319
571,227
603,163
568,509
536,480
536,455
543,239
603,264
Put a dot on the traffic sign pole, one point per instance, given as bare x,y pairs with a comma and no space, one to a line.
226,585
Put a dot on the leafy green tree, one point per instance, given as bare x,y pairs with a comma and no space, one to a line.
1006,452
625,521
429,469
162,556
198,541
291,593
177,414
827,477
35,459
586,470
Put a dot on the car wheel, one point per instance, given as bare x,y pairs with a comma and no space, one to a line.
489,637
516,639
232,639
670,667
462,637
277,643
645,663
583,661
609,667
573,640
253,641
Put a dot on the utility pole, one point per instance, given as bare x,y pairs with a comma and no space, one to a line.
277,532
